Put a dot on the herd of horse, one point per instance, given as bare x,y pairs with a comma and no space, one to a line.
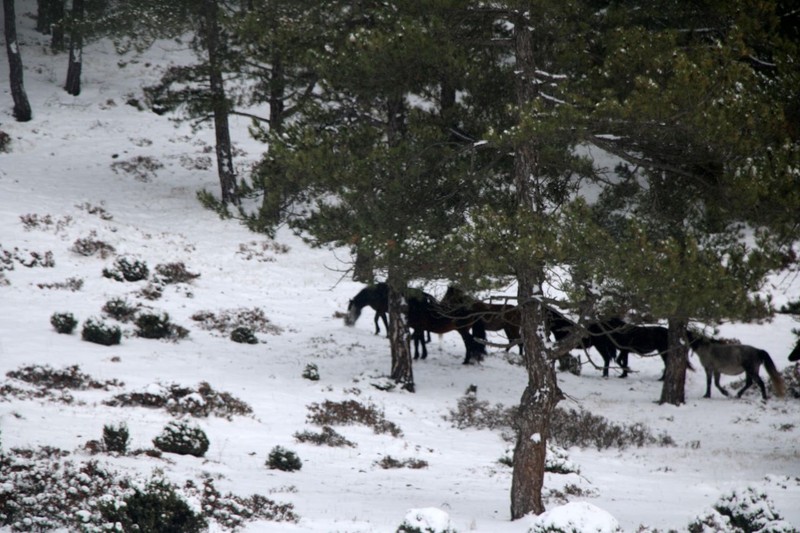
614,339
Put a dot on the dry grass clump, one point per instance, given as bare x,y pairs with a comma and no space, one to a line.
327,437
46,377
350,412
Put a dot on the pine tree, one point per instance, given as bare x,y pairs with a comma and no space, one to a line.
689,98
22,107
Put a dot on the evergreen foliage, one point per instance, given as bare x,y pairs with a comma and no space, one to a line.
99,332
63,322
181,438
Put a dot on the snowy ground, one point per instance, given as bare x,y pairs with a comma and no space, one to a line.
62,165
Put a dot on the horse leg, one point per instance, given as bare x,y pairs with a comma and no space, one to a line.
708,383
473,348
380,315
622,361
720,387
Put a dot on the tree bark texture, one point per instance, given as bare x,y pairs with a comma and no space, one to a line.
22,107
673,390
73,84
224,148
541,393
402,370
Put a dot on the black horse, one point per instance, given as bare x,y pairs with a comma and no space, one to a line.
627,338
795,355
375,296
732,359
597,335
492,317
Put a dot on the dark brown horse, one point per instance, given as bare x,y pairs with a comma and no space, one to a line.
494,317
425,314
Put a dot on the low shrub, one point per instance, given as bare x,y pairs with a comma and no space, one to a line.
180,438
311,372
244,335
156,508
327,437
126,269
70,284
153,326
46,377
581,428
426,520
169,273
99,332
63,322
282,459
233,511
479,414
351,412
89,246
115,438
120,309
741,512
201,401
223,322
388,462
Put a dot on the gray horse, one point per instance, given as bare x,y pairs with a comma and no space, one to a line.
733,359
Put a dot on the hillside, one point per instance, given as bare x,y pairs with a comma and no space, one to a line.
96,168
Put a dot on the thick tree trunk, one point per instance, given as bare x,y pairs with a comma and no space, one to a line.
673,390
50,21
22,107
224,148
541,394
536,407
73,84
402,370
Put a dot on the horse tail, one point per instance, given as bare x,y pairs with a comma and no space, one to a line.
774,375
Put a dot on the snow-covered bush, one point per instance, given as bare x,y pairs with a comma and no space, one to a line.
282,459
115,438
575,517
63,322
89,246
311,372
181,438
244,335
426,520
199,402
120,309
98,332
327,437
741,511
126,269
169,273
158,326
156,509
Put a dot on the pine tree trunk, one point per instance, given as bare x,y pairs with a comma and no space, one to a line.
399,339
224,148
673,390
22,107
57,15
73,84
541,394
535,411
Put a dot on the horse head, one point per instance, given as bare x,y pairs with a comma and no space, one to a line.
353,312
795,355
